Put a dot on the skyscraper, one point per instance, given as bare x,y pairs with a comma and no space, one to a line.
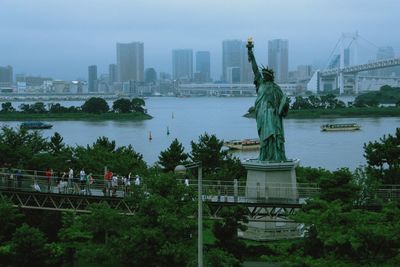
231,56
92,78
6,76
182,64
112,73
234,55
130,61
278,59
203,65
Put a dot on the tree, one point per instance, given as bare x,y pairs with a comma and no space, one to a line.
56,143
25,108
10,218
29,247
7,107
95,105
339,185
301,103
57,108
383,158
21,146
346,237
38,107
161,232
138,105
208,151
226,230
122,105
172,156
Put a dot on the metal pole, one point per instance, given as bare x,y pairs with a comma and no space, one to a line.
200,219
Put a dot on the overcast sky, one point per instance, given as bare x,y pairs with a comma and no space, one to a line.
60,38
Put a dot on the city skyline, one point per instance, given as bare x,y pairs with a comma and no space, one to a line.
42,41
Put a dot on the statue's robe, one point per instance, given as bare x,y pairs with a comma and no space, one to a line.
270,106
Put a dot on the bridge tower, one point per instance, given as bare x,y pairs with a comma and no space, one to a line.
351,41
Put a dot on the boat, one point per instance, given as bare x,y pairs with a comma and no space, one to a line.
245,144
340,127
35,125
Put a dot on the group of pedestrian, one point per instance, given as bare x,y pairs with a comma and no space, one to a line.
13,179
112,182
67,182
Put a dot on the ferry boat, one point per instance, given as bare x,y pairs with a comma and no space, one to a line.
35,125
340,127
245,144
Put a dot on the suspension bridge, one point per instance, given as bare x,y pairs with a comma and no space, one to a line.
344,70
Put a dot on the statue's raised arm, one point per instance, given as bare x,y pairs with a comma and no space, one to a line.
252,59
270,107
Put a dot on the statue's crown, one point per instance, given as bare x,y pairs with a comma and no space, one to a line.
267,71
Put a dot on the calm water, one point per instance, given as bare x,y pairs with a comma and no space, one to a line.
188,118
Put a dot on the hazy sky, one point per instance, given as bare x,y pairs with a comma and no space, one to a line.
60,38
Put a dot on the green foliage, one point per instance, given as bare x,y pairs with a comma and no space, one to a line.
38,107
310,175
208,151
10,218
226,230
220,258
387,95
7,107
328,101
173,156
95,105
138,105
56,143
29,247
383,158
161,232
21,147
122,105
104,153
350,236
339,185
58,108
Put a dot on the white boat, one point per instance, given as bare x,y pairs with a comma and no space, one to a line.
340,127
245,144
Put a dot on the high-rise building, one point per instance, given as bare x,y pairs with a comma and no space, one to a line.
150,76
182,64
112,73
6,76
231,56
233,75
278,59
92,78
130,62
203,66
234,55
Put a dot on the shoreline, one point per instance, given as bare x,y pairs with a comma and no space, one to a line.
80,116
339,113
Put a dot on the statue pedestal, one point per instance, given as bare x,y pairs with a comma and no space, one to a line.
271,182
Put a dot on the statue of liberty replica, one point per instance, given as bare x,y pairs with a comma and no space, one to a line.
271,178
270,107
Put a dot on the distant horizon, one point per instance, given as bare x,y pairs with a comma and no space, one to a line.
61,40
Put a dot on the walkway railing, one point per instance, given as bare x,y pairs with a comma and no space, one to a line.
214,191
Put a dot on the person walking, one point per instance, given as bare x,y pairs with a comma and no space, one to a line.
137,180
82,180
89,182
71,180
49,174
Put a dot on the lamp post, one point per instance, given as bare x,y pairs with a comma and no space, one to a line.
182,169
